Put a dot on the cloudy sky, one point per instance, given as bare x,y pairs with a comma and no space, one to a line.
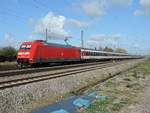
113,23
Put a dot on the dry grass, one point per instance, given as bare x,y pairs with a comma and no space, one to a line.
121,90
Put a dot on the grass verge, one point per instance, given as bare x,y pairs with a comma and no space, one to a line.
121,90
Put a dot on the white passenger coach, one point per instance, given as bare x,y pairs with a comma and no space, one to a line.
96,54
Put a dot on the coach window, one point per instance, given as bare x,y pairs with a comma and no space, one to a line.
96,54
105,54
90,53
86,53
82,53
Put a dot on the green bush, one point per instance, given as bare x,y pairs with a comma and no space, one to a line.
8,54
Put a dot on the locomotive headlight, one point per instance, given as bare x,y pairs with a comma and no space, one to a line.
23,53
20,53
26,53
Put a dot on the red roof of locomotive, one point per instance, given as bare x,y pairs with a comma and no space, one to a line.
54,44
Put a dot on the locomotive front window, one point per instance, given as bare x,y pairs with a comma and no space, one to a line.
28,46
25,47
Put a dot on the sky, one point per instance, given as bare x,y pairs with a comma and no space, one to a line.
112,23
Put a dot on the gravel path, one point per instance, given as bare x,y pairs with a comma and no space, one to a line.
143,105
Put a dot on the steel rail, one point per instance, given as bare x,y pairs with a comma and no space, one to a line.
54,72
35,70
18,82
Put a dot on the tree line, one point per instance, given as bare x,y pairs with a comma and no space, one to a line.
109,49
8,54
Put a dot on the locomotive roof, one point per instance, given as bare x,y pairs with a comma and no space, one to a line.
58,45
54,44
51,44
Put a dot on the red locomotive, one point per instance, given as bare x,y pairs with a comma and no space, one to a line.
40,51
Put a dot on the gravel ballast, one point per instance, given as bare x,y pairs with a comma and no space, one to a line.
24,98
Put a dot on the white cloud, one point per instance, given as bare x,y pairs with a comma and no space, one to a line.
145,8
55,25
92,43
31,37
145,3
138,13
77,23
102,37
122,2
10,40
94,8
99,38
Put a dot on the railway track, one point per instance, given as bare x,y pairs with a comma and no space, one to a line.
21,80
42,69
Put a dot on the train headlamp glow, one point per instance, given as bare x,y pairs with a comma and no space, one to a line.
26,53
23,53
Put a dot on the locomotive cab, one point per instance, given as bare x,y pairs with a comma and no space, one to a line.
24,54
27,54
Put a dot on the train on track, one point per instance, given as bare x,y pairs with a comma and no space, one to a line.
39,52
